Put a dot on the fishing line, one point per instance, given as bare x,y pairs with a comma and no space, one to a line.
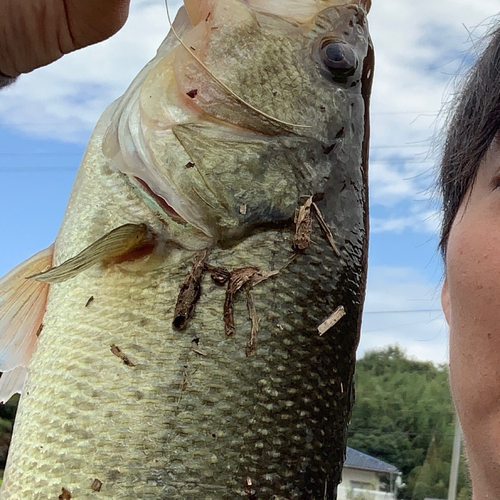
223,85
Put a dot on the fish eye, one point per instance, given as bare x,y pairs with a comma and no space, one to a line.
339,58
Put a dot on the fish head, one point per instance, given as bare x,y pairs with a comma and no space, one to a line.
249,106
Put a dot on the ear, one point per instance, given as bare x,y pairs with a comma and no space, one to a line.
445,301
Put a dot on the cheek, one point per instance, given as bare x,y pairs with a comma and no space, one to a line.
473,263
468,270
473,279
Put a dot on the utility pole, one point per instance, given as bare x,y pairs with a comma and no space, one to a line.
455,461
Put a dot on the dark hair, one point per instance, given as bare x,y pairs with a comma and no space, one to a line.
472,126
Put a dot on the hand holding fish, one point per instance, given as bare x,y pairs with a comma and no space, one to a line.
34,33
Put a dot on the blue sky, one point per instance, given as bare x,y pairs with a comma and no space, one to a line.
47,117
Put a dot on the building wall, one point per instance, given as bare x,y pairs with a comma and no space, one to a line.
361,485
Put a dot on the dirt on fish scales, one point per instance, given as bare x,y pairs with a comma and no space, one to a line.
244,422
303,222
232,414
248,277
296,378
98,399
236,279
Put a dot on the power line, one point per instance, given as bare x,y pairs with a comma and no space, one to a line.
38,169
367,432
401,146
386,113
38,153
404,311
54,153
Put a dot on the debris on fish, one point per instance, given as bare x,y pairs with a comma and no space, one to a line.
332,320
303,226
191,180
189,292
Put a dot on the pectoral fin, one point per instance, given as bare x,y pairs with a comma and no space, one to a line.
22,306
126,240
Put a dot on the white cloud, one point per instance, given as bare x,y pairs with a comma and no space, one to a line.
426,221
65,99
403,308
394,180
419,46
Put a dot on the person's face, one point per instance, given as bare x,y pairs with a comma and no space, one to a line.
471,302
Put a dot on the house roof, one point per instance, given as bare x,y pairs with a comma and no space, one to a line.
357,460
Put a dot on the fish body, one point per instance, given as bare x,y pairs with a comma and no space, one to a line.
121,403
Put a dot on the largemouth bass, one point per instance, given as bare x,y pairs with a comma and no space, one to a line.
218,218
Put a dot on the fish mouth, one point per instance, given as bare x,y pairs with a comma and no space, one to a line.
178,229
301,11
168,209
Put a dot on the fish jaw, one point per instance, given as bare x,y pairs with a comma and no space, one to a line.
182,133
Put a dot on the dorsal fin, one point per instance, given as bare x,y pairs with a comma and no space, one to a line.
22,306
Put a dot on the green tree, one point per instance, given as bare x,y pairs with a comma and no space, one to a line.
7,415
429,478
404,415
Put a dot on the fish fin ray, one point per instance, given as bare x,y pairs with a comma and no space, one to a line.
113,245
12,382
22,307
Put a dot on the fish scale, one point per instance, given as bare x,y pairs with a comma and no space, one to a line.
117,399
207,405
105,433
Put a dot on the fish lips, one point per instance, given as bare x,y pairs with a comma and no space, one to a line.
301,11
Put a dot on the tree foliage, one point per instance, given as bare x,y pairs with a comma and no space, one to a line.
404,415
7,415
